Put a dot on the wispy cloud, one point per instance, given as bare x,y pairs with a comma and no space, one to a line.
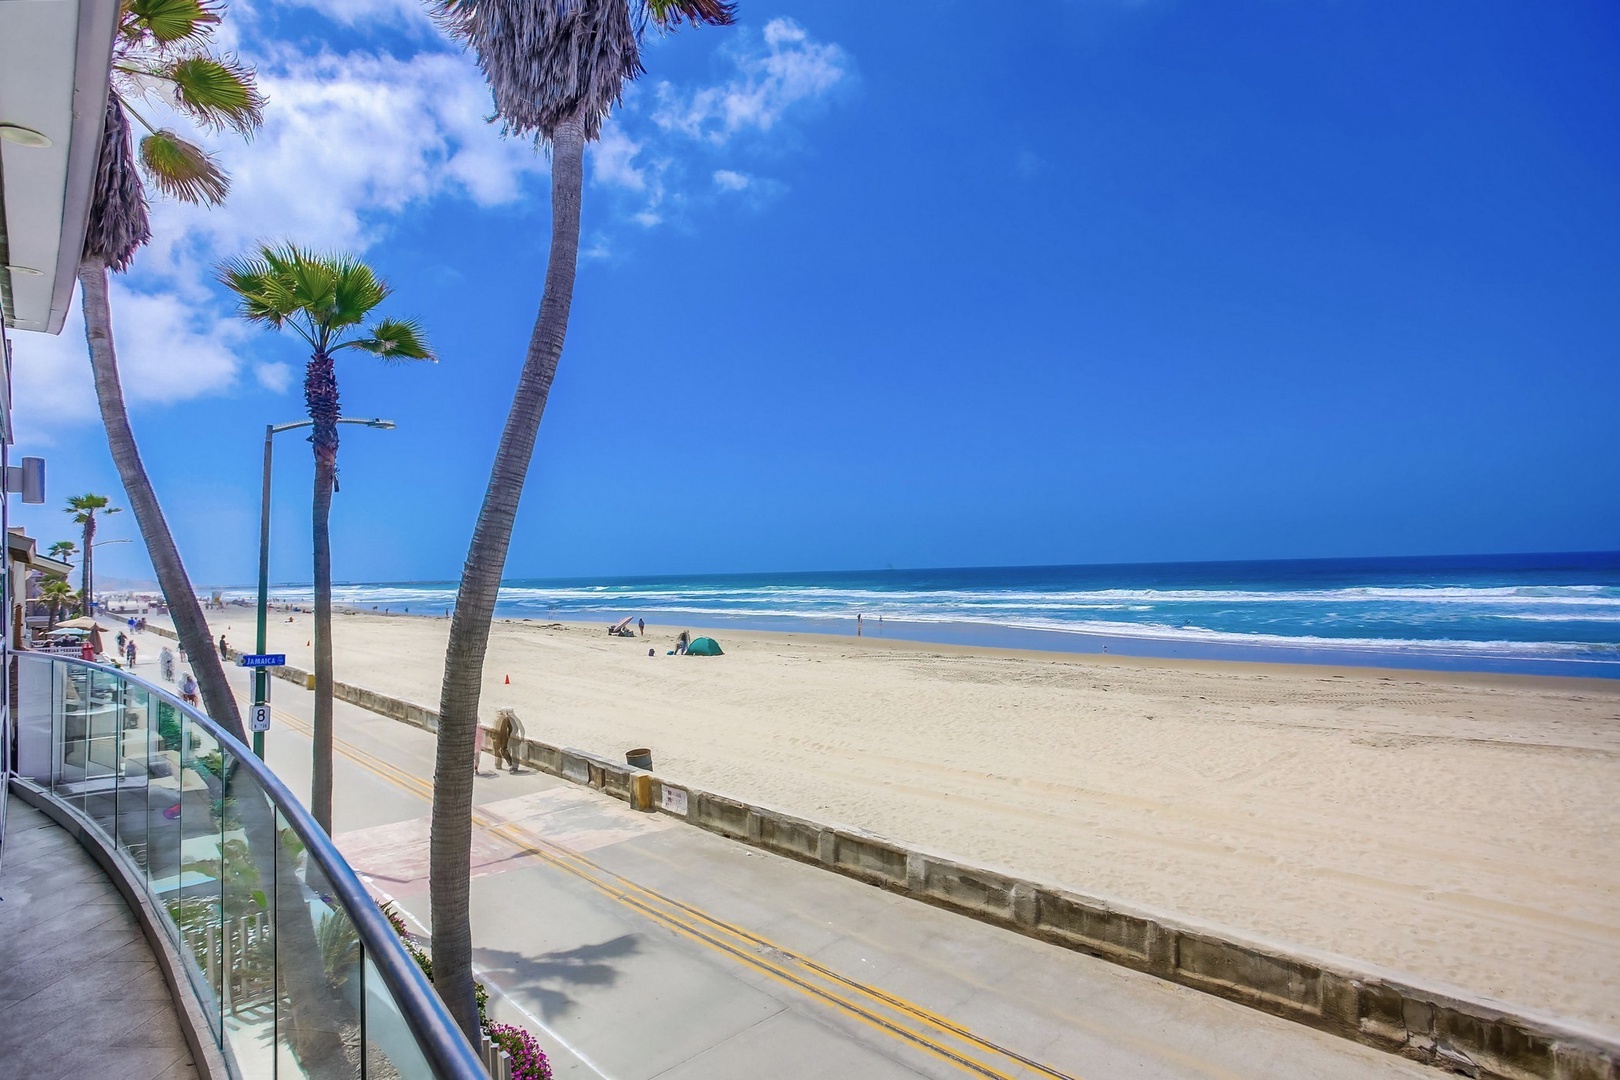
786,67
684,148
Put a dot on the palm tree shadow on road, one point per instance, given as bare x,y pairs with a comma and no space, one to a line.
547,977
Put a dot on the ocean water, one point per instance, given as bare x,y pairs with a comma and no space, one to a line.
1553,614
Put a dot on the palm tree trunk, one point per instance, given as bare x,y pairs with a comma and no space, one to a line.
451,845
321,395
160,548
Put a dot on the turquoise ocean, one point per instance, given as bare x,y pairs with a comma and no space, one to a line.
1550,614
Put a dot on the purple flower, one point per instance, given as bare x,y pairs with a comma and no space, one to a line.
528,1060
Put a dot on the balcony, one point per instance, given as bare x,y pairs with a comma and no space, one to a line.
279,960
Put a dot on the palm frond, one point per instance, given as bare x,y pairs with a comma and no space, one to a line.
183,169
396,339
319,296
261,297
669,14
215,92
168,22
548,61
356,291
118,224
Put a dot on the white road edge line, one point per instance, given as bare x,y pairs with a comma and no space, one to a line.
499,990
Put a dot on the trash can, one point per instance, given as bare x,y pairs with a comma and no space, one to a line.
639,758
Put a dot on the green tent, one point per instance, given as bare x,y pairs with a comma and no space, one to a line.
704,646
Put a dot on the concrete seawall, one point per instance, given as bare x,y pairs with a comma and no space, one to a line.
1439,1025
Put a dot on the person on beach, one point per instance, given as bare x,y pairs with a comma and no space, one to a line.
641,625
858,618
188,688
224,649
129,652
680,643
478,748
504,742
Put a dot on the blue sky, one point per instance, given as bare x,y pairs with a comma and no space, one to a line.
1109,281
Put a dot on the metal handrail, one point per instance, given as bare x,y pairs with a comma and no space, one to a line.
437,1034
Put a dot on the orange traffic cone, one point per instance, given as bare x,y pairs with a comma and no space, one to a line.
509,680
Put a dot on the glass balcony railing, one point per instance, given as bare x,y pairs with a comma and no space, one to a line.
295,966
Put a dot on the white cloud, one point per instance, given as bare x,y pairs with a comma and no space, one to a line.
349,142
168,351
730,180
789,69
274,377
611,159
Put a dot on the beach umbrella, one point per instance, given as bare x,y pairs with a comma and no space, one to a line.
83,622
69,631
704,646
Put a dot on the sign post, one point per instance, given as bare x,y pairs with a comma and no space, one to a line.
259,718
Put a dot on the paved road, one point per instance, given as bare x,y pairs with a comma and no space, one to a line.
638,947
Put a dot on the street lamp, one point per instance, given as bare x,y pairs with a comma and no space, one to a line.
261,676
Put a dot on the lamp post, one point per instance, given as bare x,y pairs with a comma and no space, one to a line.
261,676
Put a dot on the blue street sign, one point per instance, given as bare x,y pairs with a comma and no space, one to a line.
263,660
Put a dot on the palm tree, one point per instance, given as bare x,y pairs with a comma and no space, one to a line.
162,52
63,550
57,595
84,509
322,299
556,68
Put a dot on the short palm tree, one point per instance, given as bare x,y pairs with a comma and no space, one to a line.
84,509
62,550
57,595
556,68
323,299
162,53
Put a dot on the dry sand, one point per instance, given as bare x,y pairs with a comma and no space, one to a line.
1461,828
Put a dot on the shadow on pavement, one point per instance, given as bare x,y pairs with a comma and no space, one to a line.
548,975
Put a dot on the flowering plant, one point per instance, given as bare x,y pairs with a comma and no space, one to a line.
528,1060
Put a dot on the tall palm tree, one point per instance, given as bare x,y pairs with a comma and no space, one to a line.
84,509
161,53
322,299
556,68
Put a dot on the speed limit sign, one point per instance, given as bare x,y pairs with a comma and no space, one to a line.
260,718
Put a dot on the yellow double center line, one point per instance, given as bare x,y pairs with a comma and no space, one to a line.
905,1020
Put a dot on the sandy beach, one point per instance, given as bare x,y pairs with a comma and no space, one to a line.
1462,828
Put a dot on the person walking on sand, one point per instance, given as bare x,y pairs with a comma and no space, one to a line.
224,649
188,688
858,618
641,625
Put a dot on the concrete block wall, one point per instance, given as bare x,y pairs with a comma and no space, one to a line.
1383,1009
